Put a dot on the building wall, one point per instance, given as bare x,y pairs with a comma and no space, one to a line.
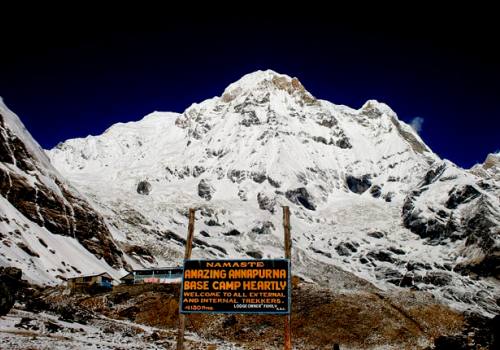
156,278
89,281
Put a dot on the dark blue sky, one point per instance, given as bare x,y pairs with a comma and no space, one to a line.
67,82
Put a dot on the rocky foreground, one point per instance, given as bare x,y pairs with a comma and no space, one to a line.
145,316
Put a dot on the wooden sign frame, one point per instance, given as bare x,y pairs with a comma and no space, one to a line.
288,255
240,306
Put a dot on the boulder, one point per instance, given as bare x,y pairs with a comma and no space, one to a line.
319,251
255,254
230,321
407,280
212,222
346,248
204,234
264,228
417,265
342,250
259,177
343,142
376,191
381,255
388,274
232,232
437,278
10,283
274,183
266,202
397,251
236,176
198,170
144,188
300,196
205,189
376,234
451,342
27,323
358,184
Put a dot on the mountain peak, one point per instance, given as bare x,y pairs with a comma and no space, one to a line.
266,80
490,168
362,186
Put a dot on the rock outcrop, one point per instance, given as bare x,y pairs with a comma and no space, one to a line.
301,196
205,189
144,187
34,188
467,212
358,185
10,283
266,202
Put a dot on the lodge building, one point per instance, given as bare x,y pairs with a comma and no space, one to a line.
103,280
153,275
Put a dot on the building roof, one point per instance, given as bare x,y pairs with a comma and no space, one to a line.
151,269
127,275
158,268
92,275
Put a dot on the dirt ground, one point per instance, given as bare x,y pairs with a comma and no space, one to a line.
320,317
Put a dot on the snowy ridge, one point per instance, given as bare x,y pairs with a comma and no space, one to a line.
13,122
264,130
490,168
47,228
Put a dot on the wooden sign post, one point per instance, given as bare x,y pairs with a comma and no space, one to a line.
288,255
187,255
278,269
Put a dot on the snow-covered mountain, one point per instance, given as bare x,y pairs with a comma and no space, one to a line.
46,226
490,168
369,199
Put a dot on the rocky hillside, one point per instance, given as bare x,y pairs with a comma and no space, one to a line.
148,314
47,227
